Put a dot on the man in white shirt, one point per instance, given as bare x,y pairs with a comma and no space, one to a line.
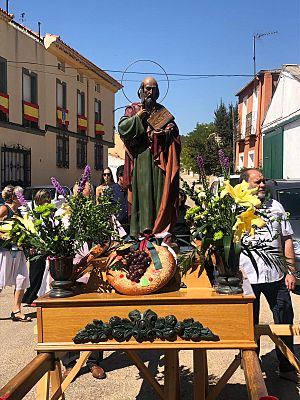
271,281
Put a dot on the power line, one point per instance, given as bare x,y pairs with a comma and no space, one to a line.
135,72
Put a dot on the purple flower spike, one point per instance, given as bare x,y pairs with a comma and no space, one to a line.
21,199
85,177
200,162
224,161
58,186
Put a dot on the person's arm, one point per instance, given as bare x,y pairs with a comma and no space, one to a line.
3,212
289,253
99,191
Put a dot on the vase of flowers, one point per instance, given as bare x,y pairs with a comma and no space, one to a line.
222,222
59,234
61,270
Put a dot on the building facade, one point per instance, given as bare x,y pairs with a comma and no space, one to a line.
253,102
56,109
281,127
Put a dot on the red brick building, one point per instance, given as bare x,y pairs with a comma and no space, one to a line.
254,100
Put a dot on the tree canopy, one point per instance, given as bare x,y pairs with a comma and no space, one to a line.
207,138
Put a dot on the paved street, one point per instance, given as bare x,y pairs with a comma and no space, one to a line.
123,381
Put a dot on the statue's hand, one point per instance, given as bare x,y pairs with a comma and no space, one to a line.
142,113
160,132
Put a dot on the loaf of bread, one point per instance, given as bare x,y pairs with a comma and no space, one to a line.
152,279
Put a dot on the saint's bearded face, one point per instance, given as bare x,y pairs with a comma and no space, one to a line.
149,96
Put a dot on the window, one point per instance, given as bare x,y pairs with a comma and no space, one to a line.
62,150
80,103
3,75
241,160
61,94
81,119
61,66
62,120
251,159
244,115
29,86
98,88
80,78
81,152
97,110
98,156
3,90
30,98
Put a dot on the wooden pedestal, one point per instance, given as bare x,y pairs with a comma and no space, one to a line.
229,317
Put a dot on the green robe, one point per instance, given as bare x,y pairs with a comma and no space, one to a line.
147,178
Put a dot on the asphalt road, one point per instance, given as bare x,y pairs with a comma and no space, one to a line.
17,341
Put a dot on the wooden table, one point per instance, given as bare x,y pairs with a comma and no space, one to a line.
228,316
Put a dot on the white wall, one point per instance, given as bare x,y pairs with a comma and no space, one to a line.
291,150
285,102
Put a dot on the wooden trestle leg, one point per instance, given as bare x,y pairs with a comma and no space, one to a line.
172,378
254,380
200,374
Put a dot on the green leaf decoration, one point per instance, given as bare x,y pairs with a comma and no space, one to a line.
144,327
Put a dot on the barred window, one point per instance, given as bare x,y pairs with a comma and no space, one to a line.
98,156
81,151
62,150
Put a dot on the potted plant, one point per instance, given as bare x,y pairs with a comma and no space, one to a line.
223,222
60,234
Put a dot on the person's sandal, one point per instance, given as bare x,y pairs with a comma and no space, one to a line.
19,319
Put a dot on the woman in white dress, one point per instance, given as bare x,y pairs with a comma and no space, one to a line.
13,267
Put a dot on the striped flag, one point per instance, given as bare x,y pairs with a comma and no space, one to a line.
99,128
4,102
82,122
62,116
30,111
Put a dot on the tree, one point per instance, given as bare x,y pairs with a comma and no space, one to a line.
193,144
225,122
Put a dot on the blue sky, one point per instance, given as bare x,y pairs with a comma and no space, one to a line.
191,37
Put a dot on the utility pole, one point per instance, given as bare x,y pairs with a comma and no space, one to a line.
258,36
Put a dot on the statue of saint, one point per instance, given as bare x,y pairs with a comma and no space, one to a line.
151,171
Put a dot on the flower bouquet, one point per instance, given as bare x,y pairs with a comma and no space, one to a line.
60,234
222,223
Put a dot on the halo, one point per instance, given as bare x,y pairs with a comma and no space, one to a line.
153,62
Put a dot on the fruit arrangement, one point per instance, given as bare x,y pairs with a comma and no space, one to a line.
137,263
135,271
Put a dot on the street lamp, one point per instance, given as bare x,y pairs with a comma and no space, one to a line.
258,36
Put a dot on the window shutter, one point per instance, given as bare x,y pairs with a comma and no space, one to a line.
59,95
33,89
26,88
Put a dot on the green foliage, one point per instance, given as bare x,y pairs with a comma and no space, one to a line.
91,222
207,139
62,232
195,143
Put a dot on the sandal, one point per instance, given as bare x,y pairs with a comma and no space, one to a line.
19,319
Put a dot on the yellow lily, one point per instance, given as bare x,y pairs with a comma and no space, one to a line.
246,222
5,229
27,222
241,194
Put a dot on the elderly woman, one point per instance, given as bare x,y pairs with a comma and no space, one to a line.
13,268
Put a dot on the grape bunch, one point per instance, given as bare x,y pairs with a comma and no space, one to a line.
137,264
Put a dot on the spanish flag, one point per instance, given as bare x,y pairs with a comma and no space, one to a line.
99,128
31,111
82,122
4,102
62,116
